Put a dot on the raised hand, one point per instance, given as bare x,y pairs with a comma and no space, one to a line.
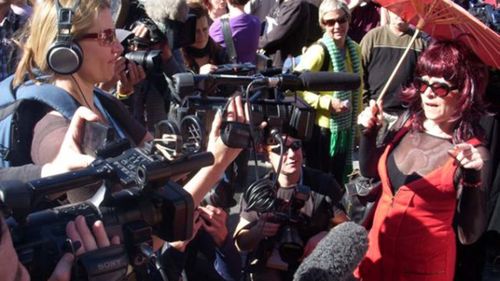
214,223
468,156
371,116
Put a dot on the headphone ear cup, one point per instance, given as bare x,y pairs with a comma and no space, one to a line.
65,58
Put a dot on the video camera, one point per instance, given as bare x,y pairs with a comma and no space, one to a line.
149,203
283,114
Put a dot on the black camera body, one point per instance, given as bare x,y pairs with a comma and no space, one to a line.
149,203
283,114
150,60
288,215
289,115
130,214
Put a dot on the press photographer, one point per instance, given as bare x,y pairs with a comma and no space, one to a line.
156,47
276,212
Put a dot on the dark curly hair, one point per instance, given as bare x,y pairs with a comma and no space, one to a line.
464,70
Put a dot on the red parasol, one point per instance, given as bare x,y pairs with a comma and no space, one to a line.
445,20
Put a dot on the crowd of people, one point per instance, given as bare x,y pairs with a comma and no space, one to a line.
427,142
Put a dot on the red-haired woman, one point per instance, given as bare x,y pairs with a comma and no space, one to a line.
431,170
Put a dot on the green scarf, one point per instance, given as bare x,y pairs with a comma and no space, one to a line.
342,126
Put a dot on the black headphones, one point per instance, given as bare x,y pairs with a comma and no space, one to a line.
65,56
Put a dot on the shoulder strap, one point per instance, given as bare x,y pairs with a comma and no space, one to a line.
51,95
103,101
228,39
326,61
7,92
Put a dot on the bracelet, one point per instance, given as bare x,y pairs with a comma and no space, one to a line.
468,184
123,96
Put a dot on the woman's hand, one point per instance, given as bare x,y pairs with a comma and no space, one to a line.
208,68
338,106
80,234
468,156
371,116
128,78
70,156
223,154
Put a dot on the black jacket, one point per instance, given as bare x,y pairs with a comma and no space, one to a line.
291,32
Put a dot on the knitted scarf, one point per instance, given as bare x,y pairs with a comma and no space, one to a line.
342,125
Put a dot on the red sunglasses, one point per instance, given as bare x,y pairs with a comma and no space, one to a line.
105,38
440,89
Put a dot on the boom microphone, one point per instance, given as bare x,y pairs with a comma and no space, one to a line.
186,83
315,81
336,255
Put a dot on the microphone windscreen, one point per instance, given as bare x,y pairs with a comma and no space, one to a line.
329,81
336,255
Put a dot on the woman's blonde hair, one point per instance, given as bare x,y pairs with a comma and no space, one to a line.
42,31
331,5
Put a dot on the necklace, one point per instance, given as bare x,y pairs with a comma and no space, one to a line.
87,104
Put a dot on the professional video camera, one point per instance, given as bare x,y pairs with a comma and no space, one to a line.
149,203
284,114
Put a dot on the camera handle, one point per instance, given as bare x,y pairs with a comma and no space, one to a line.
22,198
138,238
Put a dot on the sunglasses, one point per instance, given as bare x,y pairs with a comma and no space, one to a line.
439,89
295,145
331,22
105,38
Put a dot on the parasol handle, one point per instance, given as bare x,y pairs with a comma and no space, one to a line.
396,69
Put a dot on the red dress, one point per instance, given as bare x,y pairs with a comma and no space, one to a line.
412,237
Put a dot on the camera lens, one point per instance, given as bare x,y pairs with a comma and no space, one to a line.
149,60
291,246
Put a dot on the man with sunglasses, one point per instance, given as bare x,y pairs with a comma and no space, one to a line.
255,230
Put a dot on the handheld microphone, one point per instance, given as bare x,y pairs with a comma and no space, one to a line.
336,255
186,83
